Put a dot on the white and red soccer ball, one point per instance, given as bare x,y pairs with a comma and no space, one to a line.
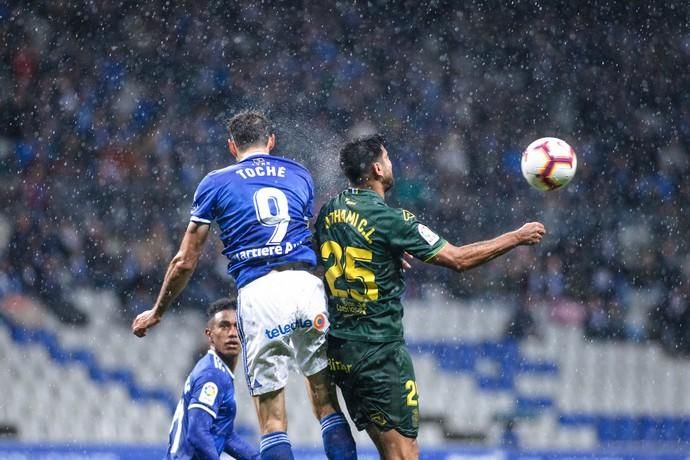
548,163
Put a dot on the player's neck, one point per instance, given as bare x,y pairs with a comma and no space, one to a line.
251,152
374,186
230,361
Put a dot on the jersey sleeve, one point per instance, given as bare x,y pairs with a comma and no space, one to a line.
407,234
207,392
203,205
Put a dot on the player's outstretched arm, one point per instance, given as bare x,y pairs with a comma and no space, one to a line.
176,278
461,258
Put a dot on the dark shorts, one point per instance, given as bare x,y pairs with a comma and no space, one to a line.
378,384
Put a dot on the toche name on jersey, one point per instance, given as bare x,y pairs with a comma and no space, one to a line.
261,171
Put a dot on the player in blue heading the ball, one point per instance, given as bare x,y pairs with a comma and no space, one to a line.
262,205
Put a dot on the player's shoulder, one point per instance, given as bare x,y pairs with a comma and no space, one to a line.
293,164
378,208
403,214
210,366
222,172
392,220
217,177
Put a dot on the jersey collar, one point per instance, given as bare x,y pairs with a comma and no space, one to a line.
362,191
220,360
254,153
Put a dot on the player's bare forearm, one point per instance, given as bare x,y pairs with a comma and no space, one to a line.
182,266
472,255
176,278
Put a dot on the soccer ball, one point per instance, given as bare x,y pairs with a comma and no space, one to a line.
548,163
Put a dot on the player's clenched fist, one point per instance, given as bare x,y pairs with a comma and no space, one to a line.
531,233
144,321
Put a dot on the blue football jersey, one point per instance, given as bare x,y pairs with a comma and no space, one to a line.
209,387
262,205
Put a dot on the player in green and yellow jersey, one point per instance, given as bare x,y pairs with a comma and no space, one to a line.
362,242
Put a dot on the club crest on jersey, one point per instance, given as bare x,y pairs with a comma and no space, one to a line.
407,215
208,393
428,235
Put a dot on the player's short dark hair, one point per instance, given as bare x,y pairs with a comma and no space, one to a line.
357,157
248,128
222,304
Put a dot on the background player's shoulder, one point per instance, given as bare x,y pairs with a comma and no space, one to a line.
211,367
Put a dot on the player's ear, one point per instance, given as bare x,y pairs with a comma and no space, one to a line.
271,142
377,169
233,148
207,332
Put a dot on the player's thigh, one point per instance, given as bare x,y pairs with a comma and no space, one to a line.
310,342
266,318
378,384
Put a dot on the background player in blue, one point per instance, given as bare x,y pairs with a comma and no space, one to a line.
202,426
262,206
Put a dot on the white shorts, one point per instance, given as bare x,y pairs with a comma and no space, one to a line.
282,321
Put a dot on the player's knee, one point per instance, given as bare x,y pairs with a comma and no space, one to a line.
323,395
324,407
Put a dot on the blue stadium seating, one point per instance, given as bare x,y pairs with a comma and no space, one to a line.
61,356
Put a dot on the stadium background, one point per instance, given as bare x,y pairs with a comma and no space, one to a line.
110,114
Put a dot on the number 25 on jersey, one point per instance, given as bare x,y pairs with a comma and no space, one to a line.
360,282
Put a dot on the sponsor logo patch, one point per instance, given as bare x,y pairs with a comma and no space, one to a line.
283,329
208,393
428,235
321,322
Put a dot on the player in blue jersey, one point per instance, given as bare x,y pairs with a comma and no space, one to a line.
262,206
202,426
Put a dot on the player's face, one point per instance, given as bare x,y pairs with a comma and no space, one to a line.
222,333
387,170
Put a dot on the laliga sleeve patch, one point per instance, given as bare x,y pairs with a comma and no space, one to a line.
428,235
208,393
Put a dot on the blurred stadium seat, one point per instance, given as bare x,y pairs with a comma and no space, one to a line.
560,391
